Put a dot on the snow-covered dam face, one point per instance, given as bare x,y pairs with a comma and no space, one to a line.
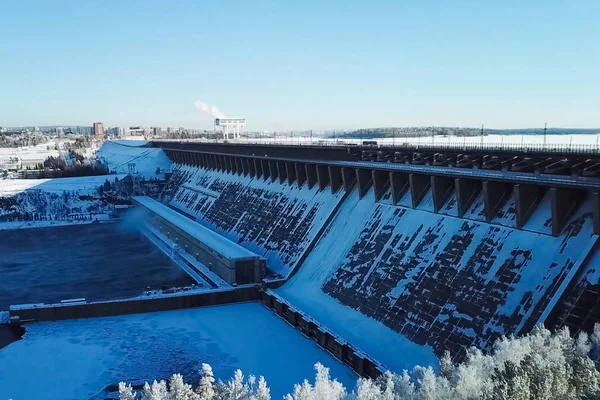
96,262
401,284
275,220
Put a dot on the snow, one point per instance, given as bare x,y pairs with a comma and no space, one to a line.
48,224
304,291
540,219
568,279
77,359
117,155
39,152
211,239
84,184
275,220
381,266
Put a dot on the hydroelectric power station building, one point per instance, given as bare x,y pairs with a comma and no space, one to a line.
232,262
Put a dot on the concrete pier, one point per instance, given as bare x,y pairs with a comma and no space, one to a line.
399,184
466,191
348,178
419,185
281,171
300,173
322,176
381,183
563,203
527,198
364,179
311,175
335,178
290,171
441,190
495,195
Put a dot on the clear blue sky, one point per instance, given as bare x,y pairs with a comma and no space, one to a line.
301,64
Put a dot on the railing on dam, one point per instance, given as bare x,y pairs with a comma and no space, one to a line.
438,144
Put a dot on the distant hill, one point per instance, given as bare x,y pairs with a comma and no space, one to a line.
450,131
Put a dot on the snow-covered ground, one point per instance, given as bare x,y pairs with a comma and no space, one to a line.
39,152
77,359
117,155
83,185
29,203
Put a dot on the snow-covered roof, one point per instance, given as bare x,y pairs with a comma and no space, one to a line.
218,243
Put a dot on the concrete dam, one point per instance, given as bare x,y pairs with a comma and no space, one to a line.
405,260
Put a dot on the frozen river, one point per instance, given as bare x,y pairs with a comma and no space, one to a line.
77,359
98,262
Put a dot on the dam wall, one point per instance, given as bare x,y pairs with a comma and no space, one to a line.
272,218
439,282
409,261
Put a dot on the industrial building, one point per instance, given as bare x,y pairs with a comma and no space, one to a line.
233,263
230,125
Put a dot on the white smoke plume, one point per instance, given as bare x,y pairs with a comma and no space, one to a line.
210,110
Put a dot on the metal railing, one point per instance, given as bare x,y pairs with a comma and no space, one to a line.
437,144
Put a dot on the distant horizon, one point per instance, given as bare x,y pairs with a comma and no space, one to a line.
110,126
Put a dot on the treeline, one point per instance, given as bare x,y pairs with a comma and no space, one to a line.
452,131
187,135
20,140
39,205
55,167
539,366
81,142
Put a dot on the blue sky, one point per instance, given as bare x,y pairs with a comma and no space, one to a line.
301,64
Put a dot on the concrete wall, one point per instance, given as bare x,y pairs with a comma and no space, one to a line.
220,265
55,312
343,351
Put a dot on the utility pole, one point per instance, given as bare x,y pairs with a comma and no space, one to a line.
482,135
393,137
545,131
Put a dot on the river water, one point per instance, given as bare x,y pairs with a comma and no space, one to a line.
97,261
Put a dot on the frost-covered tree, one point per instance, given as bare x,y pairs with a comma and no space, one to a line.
262,391
206,390
156,391
180,390
324,388
236,388
538,366
126,392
